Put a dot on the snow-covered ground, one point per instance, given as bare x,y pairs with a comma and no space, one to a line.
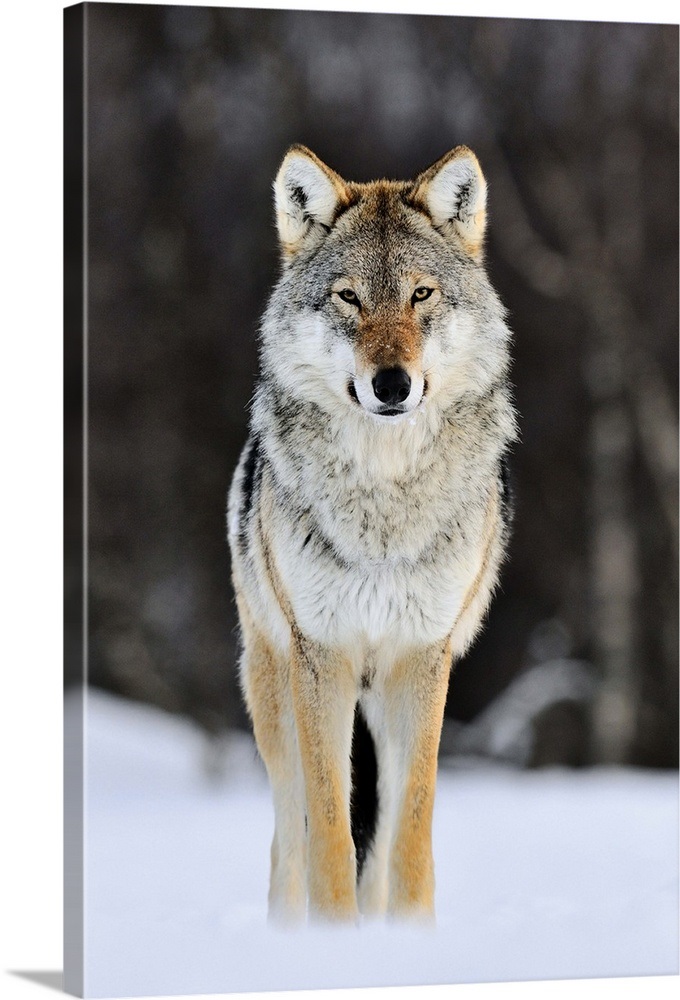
540,875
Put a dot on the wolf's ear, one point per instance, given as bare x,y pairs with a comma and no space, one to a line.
453,193
307,195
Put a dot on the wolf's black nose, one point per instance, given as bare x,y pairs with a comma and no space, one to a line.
391,385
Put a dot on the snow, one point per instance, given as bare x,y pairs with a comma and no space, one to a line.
540,875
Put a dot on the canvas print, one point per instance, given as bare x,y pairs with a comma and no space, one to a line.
371,514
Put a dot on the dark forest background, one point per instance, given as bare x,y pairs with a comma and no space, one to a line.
189,112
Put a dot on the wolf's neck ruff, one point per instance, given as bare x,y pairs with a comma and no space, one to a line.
384,500
368,516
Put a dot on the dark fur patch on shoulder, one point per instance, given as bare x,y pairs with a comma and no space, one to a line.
252,470
506,492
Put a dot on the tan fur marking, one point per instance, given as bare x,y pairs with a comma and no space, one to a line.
288,250
425,677
389,340
265,683
324,693
267,692
475,248
412,865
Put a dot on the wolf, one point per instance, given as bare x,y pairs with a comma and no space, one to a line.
368,517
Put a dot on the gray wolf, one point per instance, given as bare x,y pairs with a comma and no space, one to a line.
367,521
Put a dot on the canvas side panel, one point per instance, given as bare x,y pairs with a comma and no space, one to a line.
75,471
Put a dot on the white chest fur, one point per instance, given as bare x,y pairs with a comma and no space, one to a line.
371,602
373,560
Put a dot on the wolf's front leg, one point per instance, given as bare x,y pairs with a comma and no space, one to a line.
324,695
415,695
265,676
287,888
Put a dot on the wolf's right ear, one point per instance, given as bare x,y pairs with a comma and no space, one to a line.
453,192
307,195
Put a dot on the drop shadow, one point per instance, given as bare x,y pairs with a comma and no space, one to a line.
52,980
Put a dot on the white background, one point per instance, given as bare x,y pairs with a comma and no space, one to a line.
31,493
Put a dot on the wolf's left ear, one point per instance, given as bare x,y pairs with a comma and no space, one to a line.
453,193
307,195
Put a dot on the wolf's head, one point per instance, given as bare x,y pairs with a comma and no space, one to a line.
383,304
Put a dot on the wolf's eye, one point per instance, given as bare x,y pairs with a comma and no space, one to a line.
421,294
347,295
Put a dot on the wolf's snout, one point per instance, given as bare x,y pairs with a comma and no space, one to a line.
391,385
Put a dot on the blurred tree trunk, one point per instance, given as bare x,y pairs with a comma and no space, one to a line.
613,541
613,547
